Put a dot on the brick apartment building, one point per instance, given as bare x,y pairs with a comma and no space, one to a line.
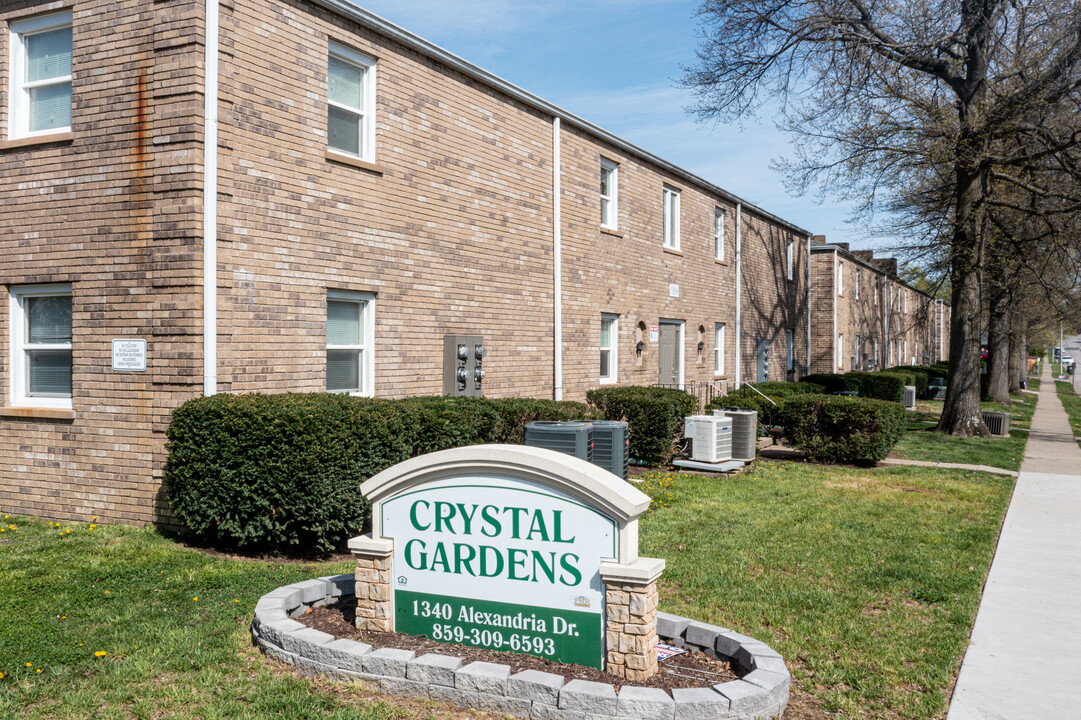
312,205
866,318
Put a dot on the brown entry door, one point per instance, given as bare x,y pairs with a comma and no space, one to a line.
668,372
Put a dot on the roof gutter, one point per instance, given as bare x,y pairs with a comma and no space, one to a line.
415,42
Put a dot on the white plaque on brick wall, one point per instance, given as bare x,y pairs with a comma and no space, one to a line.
673,290
129,355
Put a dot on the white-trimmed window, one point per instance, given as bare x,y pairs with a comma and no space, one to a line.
670,217
859,350
609,194
718,234
718,349
350,325
40,83
840,351
876,352
609,343
859,278
351,103
41,346
790,257
840,278
791,359
876,300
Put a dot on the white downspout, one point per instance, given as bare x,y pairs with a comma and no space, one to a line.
739,289
836,295
885,322
808,372
210,203
557,262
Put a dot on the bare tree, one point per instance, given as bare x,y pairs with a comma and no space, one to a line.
882,96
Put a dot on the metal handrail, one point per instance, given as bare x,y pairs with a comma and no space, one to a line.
752,387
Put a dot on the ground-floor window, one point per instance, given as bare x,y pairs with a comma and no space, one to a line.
349,343
609,337
718,349
41,346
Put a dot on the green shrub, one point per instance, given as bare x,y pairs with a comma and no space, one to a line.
654,417
784,389
841,429
834,382
920,377
282,473
883,385
768,413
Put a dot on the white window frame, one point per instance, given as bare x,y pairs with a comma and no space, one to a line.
840,351
613,357
858,278
790,362
718,234
876,291
366,115
18,89
790,257
366,348
718,349
876,352
612,199
20,379
840,277
670,217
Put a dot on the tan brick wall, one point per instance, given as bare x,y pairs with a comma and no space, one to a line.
452,233
114,212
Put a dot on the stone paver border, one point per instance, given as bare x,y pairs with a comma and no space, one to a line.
762,692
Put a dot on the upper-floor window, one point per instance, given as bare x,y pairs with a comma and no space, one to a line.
858,279
790,361
609,336
40,88
840,278
41,346
790,257
351,102
349,343
718,234
876,299
670,217
609,194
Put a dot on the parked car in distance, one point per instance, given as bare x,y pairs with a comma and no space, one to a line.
1067,360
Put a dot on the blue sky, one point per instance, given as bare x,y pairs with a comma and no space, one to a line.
616,63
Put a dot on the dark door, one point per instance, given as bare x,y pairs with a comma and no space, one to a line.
762,353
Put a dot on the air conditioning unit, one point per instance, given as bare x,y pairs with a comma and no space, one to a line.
569,438
910,397
744,432
611,446
711,437
997,422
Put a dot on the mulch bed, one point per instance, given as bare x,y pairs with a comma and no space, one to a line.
689,670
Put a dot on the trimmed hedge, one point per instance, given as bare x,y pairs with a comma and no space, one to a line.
882,385
784,389
282,473
654,417
839,429
768,414
920,377
834,382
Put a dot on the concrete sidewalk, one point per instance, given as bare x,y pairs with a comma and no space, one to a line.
1024,658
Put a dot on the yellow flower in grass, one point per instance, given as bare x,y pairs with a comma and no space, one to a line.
38,670
100,653
195,599
29,664
3,675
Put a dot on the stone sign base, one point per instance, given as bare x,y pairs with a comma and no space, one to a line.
761,693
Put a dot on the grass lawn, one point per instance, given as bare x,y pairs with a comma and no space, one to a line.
921,442
1072,402
867,581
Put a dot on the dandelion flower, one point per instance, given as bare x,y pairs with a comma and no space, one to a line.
236,601
106,592
29,664
3,675
195,599
38,670
99,653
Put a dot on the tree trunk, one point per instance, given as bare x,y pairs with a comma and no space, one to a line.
998,347
961,408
